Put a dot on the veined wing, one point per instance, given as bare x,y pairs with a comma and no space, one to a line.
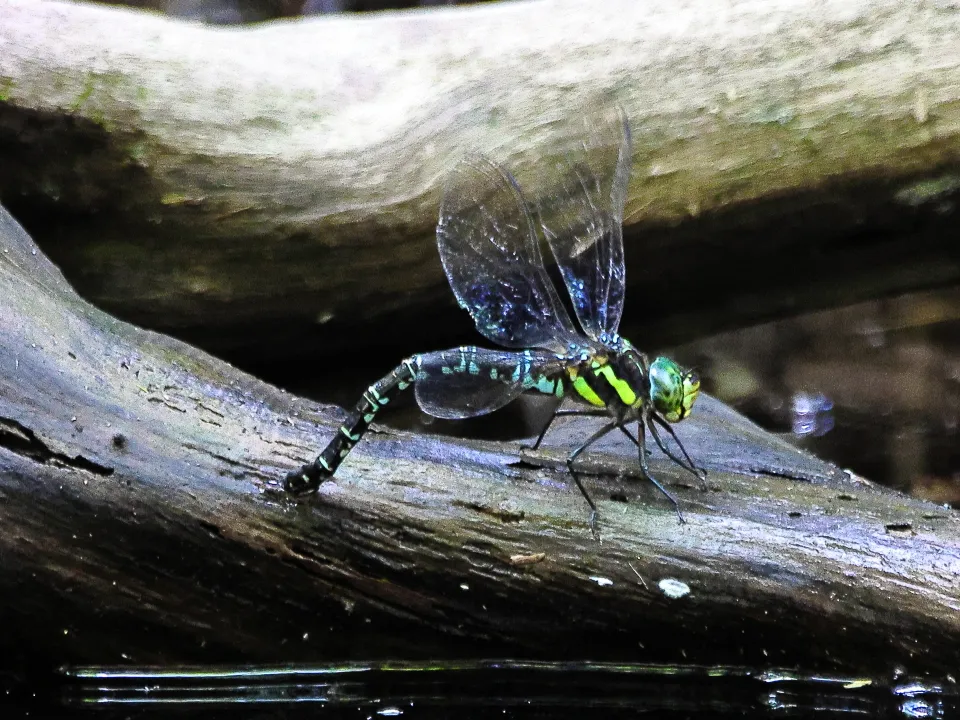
469,381
582,218
490,251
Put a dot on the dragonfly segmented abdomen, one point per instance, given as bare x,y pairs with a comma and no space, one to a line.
308,478
459,383
470,381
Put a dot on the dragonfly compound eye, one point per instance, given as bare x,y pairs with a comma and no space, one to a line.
672,390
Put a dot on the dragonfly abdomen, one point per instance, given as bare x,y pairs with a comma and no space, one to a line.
459,383
533,376
376,397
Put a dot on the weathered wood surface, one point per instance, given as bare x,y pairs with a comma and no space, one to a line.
251,186
137,527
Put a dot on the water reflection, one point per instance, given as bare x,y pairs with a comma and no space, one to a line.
875,387
494,688
812,414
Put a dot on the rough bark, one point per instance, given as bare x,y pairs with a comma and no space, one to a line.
245,187
139,525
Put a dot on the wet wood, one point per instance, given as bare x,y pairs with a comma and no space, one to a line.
817,139
139,526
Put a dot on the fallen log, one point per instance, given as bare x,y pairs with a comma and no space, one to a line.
818,139
141,523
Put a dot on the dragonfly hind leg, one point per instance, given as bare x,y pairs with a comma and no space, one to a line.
612,425
557,412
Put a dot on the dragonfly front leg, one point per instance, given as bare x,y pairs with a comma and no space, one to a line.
623,429
642,446
700,473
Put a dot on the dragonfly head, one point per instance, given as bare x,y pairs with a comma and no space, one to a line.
673,390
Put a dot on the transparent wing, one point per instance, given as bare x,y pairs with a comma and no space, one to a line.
489,248
465,382
582,218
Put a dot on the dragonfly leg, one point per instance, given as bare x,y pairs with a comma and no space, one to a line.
623,429
642,445
553,416
557,412
626,432
574,455
700,473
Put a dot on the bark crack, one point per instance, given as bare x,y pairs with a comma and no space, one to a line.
19,439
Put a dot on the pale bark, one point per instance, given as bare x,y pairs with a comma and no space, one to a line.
241,185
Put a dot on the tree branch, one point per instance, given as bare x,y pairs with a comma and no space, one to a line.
310,155
139,526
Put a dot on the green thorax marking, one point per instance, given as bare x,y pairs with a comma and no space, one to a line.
624,391
586,392
599,374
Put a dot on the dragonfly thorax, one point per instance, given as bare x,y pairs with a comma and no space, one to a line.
617,381
623,380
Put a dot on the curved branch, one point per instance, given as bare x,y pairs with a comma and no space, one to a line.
135,476
310,155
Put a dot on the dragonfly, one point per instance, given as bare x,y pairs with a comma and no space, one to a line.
489,236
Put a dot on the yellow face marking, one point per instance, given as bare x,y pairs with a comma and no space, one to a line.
691,388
